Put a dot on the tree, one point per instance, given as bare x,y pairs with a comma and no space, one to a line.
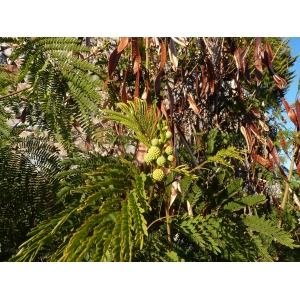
199,184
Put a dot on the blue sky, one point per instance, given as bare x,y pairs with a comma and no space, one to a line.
295,45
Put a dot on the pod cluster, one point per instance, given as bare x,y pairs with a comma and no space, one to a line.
159,154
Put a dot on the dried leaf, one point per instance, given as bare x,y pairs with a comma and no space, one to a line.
157,85
123,44
237,58
263,125
290,112
211,74
193,104
163,56
135,55
246,71
256,112
113,61
273,151
189,208
180,41
204,80
282,171
140,153
172,54
171,99
174,189
280,82
265,163
257,60
137,85
298,110
23,115
247,138
270,54
87,143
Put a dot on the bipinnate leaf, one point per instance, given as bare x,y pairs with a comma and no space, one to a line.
266,227
246,201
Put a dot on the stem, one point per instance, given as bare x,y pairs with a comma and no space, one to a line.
17,92
287,184
151,194
147,53
167,221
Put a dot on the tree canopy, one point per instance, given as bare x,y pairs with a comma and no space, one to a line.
148,149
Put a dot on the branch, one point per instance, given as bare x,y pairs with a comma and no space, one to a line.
14,93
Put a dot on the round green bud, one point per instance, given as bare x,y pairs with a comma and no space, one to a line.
161,161
148,158
169,135
169,150
170,158
155,142
165,128
154,152
158,175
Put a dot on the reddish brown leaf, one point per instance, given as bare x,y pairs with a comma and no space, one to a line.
163,56
246,71
280,82
124,92
123,44
270,54
204,80
263,125
273,151
157,85
290,112
238,58
265,163
88,143
211,74
256,112
135,54
257,60
113,61
23,115
283,144
282,171
171,99
247,138
193,105
137,85
298,110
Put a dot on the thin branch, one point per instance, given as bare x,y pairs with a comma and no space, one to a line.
14,93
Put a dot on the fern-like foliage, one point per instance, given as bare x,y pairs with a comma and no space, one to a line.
137,117
110,207
63,86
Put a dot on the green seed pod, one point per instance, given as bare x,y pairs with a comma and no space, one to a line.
170,158
169,150
161,161
155,142
154,152
169,135
158,175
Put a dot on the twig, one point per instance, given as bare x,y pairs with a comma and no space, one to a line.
287,184
14,93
